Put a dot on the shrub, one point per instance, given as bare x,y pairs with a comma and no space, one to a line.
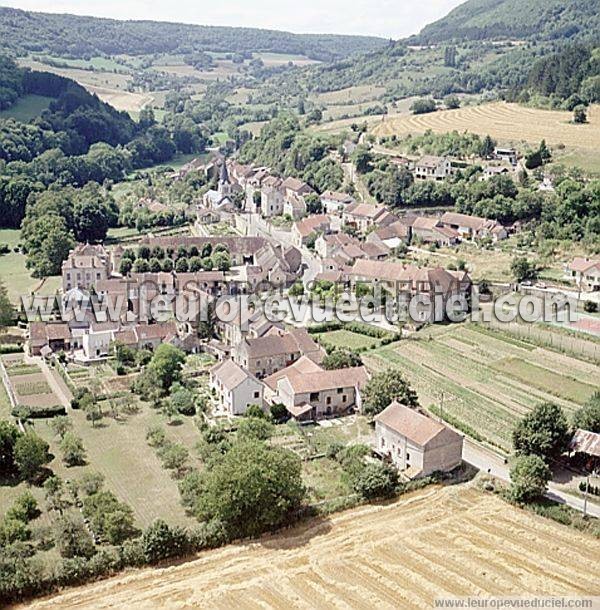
375,480
159,542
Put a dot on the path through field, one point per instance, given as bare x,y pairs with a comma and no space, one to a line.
505,122
454,541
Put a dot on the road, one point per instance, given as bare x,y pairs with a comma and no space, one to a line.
487,460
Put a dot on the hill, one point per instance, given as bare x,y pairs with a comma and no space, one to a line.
81,37
515,19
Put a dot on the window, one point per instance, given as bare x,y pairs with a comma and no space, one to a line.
344,398
68,276
314,396
382,442
329,400
340,390
256,394
407,457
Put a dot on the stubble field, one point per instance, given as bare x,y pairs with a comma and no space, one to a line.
454,541
504,122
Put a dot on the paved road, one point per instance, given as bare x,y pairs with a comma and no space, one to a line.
487,460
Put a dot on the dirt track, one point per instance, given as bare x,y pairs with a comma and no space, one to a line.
438,542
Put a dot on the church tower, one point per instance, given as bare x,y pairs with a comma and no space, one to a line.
224,188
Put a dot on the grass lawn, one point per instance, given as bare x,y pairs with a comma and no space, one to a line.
347,339
16,276
26,108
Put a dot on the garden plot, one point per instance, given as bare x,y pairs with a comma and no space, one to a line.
488,381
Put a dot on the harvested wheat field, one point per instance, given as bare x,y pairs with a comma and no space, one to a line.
505,122
436,542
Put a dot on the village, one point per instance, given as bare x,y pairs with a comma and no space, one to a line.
329,243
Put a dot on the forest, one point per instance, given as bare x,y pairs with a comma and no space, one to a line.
23,32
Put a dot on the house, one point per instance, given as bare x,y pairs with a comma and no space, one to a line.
294,206
495,170
277,349
585,272
431,167
334,202
271,197
235,321
294,186
429,230
473,227
310,393
416,444
53,335
235,388
409,281
85,265
392,235
506,154
362,216
303,229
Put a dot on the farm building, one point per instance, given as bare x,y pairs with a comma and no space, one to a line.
416,444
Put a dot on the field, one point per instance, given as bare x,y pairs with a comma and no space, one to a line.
454,541
508,123
16,276
488,380
26,108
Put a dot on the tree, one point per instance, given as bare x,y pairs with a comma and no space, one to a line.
174,457
542,432
91,483
255,428
30,453
73,450
588,416
423,106
221,261
92,409
529,477
183,401
24,508
9,433
522,269
341,359
580,114
55,494
487,147
255,411
71,536
166,364
385,387
279,412
452,102
375,480
160,541
7,312
362,159
252,488
61,425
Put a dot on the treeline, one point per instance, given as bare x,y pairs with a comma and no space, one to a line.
572,73
289,151
24,31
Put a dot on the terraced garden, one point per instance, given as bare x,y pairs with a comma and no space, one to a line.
488,381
